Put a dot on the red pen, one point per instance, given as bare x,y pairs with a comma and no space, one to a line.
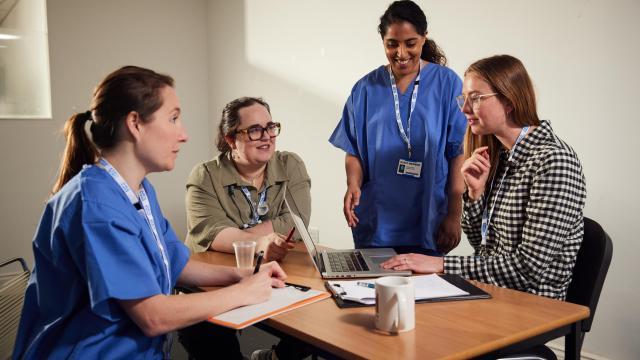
290,235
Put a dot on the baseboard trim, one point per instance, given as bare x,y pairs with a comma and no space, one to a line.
558,349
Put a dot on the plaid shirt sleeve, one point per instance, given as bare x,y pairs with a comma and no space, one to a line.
472,219
538,257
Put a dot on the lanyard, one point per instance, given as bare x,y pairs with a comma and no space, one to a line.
406,137
144,211
261,210
486,218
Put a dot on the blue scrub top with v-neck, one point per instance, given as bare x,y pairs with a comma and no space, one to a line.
399,210
91,249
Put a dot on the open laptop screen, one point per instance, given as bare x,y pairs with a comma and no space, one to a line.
306,237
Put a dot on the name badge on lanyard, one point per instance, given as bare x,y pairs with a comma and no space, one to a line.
144,211
409,168
486,213
406,166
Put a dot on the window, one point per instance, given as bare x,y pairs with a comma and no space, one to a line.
25,90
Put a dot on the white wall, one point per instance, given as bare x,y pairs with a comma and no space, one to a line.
87,40
304,56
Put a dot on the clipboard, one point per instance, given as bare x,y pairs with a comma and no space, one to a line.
282,300
475,293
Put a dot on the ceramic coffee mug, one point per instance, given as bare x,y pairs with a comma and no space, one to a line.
395,304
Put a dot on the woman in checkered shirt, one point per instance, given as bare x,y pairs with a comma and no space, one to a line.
525,189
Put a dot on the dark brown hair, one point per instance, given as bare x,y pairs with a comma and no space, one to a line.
410,12
230,119
125,90
507,76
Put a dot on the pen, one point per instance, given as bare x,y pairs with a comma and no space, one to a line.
290,235
258,262
366,284
299,287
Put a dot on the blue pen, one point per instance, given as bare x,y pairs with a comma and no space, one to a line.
366,284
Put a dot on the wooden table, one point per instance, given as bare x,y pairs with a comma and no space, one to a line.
447,330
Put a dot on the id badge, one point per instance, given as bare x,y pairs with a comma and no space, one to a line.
409,168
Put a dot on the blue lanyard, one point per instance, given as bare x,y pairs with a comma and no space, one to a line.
486,218
261,209
144,211
406,137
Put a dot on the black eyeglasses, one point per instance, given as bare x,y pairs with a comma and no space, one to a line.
256,132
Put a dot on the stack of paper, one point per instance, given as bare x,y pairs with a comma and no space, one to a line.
426,287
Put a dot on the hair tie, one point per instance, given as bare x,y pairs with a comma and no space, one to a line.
88,116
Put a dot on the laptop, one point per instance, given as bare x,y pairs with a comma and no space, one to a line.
352,263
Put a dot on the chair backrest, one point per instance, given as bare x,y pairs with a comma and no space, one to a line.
12,288
591,269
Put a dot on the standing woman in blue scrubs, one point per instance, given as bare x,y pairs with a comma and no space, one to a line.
106,259
403,134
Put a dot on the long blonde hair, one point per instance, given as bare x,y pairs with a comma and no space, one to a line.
507,76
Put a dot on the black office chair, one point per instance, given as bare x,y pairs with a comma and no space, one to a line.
592,264
589,272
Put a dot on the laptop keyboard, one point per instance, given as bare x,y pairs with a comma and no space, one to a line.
345,262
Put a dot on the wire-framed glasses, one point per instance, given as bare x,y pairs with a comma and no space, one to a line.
473,99
256,132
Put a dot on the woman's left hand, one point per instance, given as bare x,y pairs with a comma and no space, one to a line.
415,262
449,233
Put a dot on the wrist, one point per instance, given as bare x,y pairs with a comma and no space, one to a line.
238,292
240,274
474,195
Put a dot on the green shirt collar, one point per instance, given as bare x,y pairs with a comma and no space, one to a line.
230,176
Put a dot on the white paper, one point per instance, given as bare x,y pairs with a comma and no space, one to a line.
433,287
426,287
280,298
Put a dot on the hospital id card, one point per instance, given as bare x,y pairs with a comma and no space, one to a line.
409,168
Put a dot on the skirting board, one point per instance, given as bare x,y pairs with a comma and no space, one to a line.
558,349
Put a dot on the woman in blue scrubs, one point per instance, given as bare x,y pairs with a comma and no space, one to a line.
106,259
403,134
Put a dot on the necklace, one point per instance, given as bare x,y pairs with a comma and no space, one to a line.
256,180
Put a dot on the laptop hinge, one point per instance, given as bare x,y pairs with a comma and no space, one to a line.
320,262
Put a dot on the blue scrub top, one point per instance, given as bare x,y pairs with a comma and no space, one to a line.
92,248
399,210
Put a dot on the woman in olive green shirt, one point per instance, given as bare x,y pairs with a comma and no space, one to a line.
239,195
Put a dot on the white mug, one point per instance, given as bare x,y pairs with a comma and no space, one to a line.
395,304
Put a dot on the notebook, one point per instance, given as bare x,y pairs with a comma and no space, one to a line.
428,288
352,263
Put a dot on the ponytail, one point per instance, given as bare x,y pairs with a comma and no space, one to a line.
78,151
432,53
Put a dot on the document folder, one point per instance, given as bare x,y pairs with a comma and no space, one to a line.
473,292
